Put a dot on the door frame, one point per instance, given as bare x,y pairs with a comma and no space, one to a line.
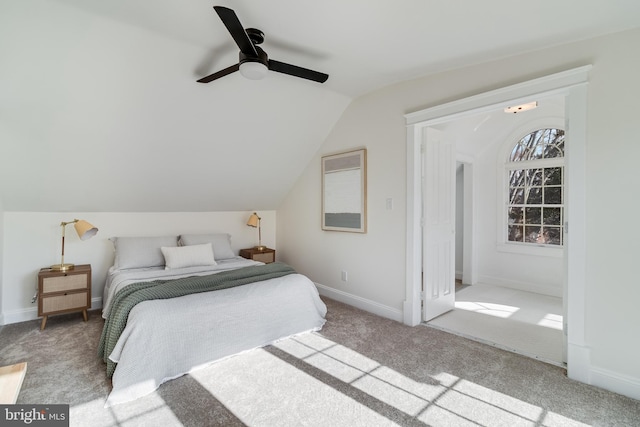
469,260
573,85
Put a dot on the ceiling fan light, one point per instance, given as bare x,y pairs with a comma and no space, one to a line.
253,70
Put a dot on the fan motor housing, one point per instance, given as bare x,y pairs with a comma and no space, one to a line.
255,35
262,57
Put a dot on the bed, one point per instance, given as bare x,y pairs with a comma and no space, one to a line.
178,303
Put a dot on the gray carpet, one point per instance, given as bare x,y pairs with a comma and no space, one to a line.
359,370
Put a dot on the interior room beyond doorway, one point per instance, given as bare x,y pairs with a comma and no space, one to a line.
515,298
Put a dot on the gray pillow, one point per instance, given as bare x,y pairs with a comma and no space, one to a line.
141,252
221,243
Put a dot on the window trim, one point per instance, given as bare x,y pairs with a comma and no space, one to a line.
503,168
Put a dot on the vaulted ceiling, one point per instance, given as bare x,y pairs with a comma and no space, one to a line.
100,109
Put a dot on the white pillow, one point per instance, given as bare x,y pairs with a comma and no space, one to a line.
188,256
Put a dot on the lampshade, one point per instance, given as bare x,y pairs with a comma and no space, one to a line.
253,70
85,231
253,220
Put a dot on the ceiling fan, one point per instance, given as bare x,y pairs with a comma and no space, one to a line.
254,62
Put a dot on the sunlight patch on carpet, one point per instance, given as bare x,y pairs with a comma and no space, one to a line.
150,408
245,385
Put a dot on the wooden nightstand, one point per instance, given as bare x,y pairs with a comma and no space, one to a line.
266,255
64,291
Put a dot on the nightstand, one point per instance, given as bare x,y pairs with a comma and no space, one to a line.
266,255
64,291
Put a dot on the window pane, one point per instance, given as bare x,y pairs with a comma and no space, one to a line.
532,234
515,216
553,195
533,215
516,178
516,196
553,176
554,143
515,233
552,216
552,235
516,153
534,196
534,177
537,148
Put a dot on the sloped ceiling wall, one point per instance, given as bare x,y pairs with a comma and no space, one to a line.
99,115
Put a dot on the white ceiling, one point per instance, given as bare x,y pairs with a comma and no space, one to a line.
100,111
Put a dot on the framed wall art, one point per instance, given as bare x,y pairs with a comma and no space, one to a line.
344,191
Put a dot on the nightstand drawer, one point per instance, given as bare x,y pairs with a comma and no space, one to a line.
76,300
64,283
266,257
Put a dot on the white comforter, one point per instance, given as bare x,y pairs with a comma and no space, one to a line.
165,339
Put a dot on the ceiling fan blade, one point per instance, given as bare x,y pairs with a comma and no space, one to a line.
294,70
219,74
231,21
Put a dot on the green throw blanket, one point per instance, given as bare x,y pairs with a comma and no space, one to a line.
127,298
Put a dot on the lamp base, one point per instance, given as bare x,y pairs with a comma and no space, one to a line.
62,267
260,248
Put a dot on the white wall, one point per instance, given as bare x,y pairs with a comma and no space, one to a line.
32,241
376,261
1,260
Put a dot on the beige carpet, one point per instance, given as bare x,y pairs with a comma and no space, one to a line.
524,322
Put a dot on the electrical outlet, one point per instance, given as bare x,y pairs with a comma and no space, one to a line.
344,276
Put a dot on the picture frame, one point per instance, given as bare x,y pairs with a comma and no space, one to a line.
344,191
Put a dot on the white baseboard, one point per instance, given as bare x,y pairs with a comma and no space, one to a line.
361,303
618,383
554,291
21,315
579,363
31,313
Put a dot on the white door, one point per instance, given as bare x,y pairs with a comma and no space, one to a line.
438,238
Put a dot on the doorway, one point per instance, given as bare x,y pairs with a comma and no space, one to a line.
516,301
571,84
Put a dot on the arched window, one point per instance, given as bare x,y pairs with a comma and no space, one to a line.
535,204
